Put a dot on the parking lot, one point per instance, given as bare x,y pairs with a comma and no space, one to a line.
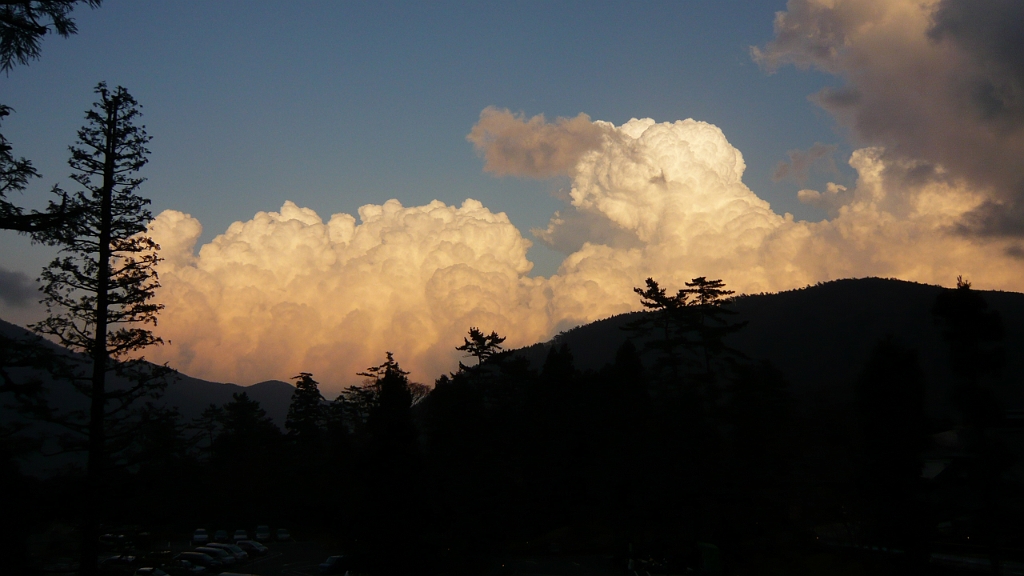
294,558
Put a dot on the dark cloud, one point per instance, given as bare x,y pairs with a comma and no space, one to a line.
801,162
993,218
940,84
16,289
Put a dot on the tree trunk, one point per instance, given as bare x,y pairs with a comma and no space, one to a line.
96,467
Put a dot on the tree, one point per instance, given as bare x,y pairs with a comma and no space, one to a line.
708,320
668,318
23,23
890,396
390,419
691,320
481,346
246,430
306,413
22,26
99,292
15,174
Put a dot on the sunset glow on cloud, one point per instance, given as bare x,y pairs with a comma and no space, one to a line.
287,292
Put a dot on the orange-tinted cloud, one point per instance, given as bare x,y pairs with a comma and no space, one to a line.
515,146
287,292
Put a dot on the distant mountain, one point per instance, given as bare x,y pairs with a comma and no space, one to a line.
190,395
820,336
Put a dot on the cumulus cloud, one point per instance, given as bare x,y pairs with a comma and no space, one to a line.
835,197
286,291
939,82
800,162
512,145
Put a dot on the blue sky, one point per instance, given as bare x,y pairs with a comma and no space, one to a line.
338,104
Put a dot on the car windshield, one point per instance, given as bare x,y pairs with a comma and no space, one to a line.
200,532
213,551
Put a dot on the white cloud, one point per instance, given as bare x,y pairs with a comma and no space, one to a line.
286,292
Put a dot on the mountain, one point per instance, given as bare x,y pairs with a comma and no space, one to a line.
190,395
820,336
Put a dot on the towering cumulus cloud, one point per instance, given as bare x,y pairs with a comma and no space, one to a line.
286,292
938,83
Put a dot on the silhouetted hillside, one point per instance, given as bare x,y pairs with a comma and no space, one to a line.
820,336
190,395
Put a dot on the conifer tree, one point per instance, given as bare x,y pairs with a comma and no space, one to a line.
24,23
708,319
306,413
22,26
668,321
481,346
99,293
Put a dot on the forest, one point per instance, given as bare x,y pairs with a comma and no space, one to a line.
678,441
674,448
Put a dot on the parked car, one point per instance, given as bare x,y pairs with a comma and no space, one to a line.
263,533
253,547
283,535
157,557
118,561
181,567
200,536
114,541
240,555
240,535
150,571
200,559
334,565
220,536
226,558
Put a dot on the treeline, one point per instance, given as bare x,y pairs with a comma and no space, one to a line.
677,440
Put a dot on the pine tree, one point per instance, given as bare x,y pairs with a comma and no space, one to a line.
306,413
22,26
668,321
99,293
708,319
481,346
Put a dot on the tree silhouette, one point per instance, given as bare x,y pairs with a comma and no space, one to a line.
974,334
709,308
890,396
976,358
24,23
668,319
481,346
22,27
99,292
689,327
306,413
245,429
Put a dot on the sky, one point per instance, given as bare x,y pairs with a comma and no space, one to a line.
311,162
